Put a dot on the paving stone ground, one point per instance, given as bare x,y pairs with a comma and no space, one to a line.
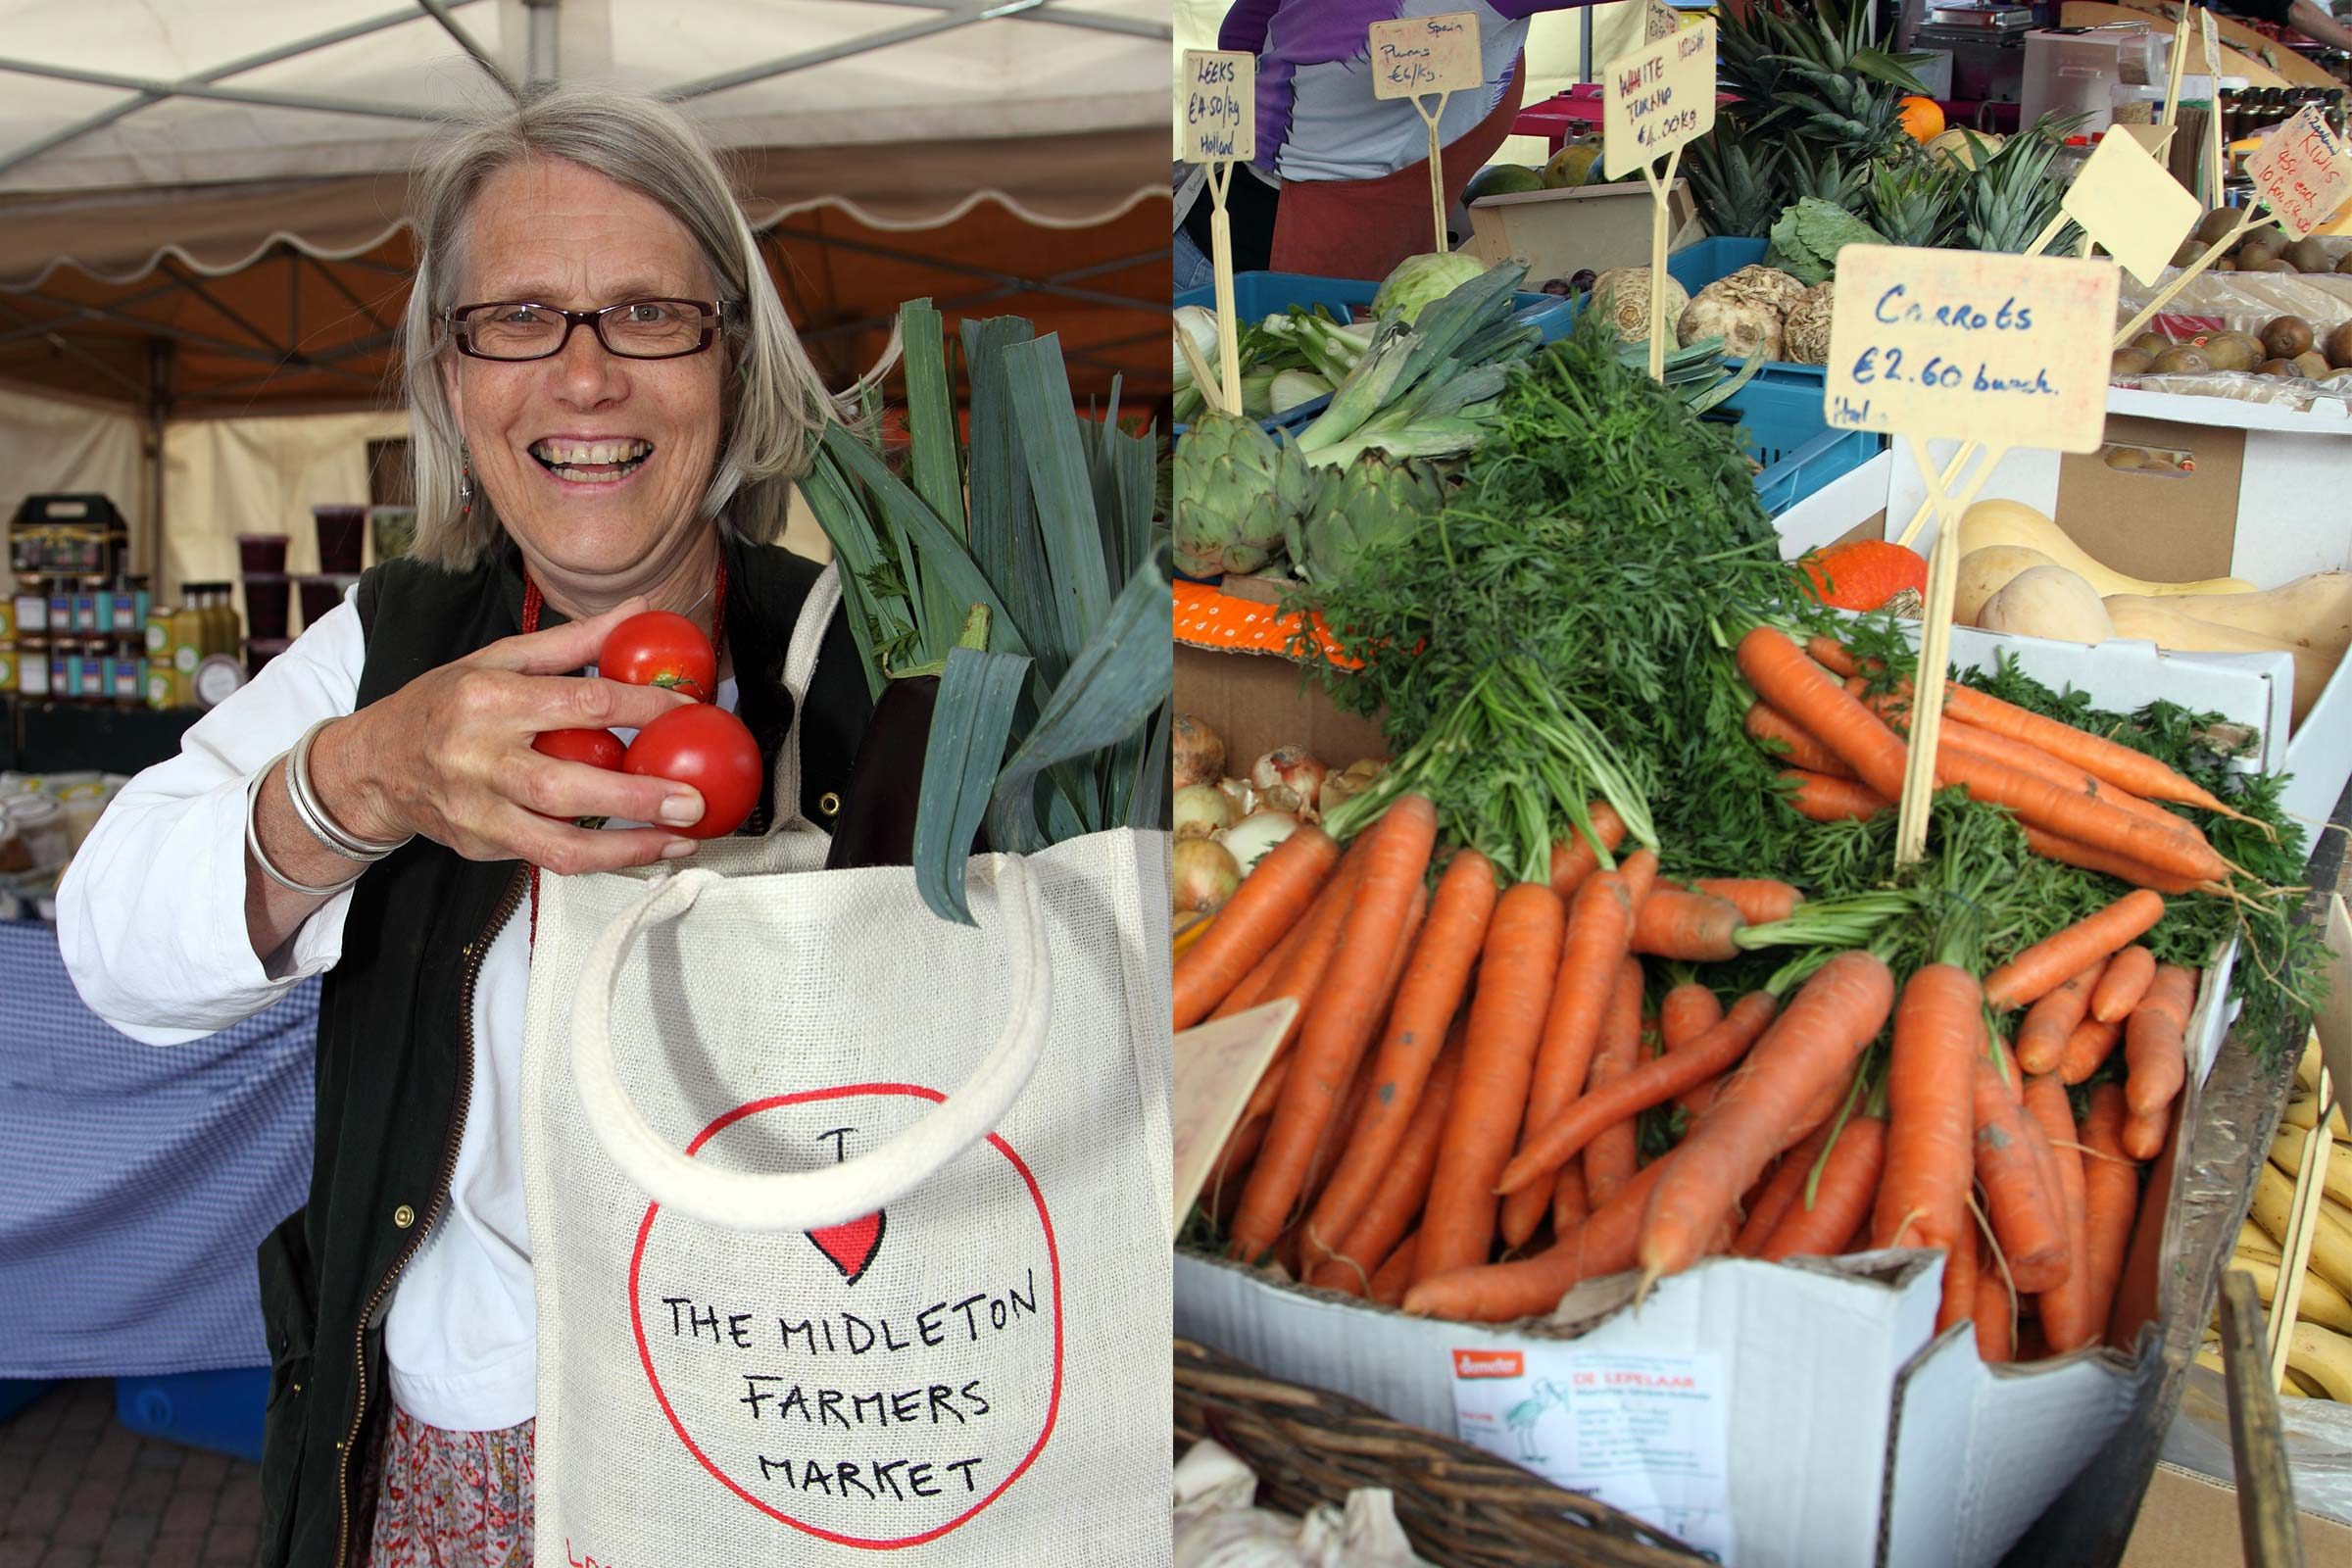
79,1489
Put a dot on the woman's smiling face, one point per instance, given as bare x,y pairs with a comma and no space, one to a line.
596,464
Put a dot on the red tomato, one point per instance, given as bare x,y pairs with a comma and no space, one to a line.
659,648
709,749
598,748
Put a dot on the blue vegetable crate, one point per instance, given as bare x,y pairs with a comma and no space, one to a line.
216,1410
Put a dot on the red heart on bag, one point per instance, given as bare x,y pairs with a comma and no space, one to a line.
851,1245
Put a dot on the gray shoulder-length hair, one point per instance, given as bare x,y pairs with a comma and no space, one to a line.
775,405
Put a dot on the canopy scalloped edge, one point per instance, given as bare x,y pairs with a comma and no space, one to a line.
842,204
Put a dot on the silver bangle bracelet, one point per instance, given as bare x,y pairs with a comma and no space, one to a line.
260,856
314,812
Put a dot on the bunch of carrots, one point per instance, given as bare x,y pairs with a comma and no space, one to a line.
2082,800
1451,1124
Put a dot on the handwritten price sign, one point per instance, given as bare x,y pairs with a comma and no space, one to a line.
1426,54
2301,173
1657,99
1219,88
2005,350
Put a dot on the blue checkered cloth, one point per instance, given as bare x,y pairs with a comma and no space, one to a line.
135,1181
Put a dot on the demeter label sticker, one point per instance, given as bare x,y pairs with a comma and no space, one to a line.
1218,91
1657,98
1422,55
2011,351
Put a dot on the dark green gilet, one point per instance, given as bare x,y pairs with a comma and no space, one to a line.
394,1023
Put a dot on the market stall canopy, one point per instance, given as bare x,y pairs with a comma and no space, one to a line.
229,177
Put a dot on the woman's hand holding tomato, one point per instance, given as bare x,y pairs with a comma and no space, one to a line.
450,758
709,749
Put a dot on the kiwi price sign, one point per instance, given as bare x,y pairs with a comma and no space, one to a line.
1658,98
1218,92
2132,206
2301,173
2010,350
1422,55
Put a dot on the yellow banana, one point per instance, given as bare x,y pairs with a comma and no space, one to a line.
2286,1152
2323,1357
2330,1238
2304,1112
2320,1302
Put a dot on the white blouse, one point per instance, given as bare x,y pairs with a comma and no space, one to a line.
460,1334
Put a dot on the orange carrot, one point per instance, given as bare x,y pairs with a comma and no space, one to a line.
1258,985
1831,655
1841,1198
1497,1293
1573,860
1962,1262
2144,1136
2028,1220
2173,847
2051,1020
1396,1276
1759,900
1427,999
1783,1187
2025,758
1571,1205
2088,1049
2155,1061
1223,1189
2144,775
1506,1026
1824,799
1600,928
2128,978
1813,1044
1690,927
1613,1154
2067,1318
1395,1203
1346,1012
1640,872
1268,1092
1269,901
2068,852
2049,963
1784,677
1651,1083
2110,1195
1783,739
1997,1321
1686,1012
1931,1110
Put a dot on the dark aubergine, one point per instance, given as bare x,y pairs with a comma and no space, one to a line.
876,825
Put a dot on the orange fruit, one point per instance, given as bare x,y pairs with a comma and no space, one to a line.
1923,118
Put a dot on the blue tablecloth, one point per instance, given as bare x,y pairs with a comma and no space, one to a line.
136,1180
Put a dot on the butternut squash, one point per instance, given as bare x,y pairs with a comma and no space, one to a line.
2048,601
2312,612
1986,572
2013,522
2169,626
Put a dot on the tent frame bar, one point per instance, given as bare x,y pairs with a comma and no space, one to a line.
1006,282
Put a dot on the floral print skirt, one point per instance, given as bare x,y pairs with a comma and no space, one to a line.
450,1500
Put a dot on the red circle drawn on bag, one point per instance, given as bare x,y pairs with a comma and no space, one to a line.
645,1355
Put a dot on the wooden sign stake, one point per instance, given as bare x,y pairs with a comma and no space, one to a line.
2172,86
1425,58
1220,238
1437,166
2164,296
2303,1223
1659,192
1219,92
1934,649
2216,168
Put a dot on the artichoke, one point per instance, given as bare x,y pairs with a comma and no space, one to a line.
1365,504
1237,490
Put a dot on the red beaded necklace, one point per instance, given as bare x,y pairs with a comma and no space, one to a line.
532,605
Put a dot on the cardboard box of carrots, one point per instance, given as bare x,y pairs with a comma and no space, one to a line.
1896,1226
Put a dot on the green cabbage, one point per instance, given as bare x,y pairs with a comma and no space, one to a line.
1810,233
1421,280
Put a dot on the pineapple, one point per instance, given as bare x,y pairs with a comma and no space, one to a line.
1913,202
1826,176
1737,184
2008,198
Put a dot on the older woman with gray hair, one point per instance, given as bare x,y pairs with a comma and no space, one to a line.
609,408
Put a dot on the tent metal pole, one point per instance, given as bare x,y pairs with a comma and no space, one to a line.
1091,21
545,22
438,10
159,406
194,89
847,49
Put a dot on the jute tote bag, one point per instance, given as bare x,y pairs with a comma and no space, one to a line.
851,1227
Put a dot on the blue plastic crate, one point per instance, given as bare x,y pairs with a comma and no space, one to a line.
1782,416
216,1410
1258,295
1696,265
1807,470
17,1393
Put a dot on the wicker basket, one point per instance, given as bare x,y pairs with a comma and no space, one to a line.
1462,1507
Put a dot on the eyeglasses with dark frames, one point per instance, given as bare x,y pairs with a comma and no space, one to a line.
634,329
